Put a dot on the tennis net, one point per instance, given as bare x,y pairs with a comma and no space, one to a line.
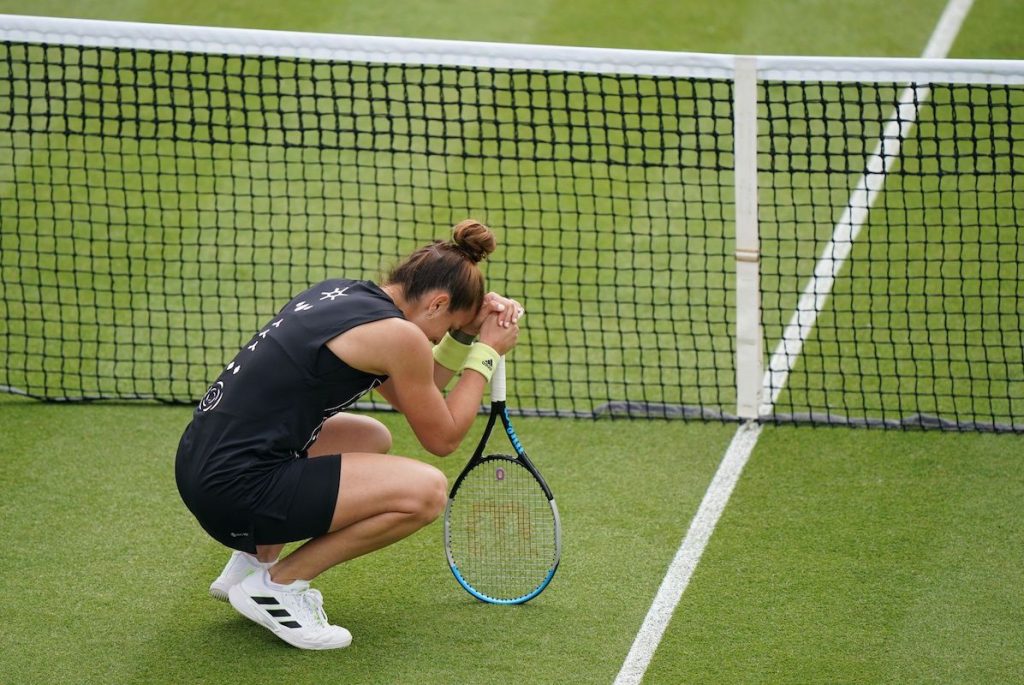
165,189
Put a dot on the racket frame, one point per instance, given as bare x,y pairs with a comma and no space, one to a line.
499,409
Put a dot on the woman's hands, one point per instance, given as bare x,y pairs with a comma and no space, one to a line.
497,322
499,336
505,309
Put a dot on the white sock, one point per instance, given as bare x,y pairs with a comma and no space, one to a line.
255,562
293,586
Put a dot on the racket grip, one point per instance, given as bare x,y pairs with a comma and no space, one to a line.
498,381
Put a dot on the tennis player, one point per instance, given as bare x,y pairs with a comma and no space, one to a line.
270,457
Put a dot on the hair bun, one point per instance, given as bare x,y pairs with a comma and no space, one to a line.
473,239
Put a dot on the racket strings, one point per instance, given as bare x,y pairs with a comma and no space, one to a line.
502,530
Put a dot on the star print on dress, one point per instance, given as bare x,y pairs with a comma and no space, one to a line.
302,306
337,292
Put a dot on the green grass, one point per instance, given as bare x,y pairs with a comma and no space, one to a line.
868,557
845,556
850,556
872,27
109,573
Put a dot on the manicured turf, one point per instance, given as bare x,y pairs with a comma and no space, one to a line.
845,556
861,556
109,573
854,556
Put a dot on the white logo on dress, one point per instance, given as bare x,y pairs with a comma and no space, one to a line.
337,292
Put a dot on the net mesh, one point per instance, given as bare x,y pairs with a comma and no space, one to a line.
158,206
923,324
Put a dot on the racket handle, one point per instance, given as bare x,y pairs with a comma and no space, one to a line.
498,381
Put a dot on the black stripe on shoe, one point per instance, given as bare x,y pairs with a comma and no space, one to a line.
278,613
264,600
291,624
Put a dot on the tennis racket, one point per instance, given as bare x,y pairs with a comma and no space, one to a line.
502,533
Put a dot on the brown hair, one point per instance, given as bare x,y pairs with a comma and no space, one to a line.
448,265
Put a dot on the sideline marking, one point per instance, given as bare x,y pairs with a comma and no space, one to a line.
689,553
811,302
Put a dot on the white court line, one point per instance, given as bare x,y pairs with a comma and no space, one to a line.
736,456
689,553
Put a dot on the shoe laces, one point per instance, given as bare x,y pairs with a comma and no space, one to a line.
313,601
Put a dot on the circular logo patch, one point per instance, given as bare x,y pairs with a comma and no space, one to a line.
212,397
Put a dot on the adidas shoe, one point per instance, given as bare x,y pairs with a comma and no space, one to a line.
238,567
295,614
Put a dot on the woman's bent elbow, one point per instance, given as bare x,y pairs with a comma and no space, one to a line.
441,447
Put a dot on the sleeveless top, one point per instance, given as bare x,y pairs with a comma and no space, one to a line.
270,402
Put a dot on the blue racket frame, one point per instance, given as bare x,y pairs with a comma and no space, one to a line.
500,409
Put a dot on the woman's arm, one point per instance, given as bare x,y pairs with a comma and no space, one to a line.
400,350
507,311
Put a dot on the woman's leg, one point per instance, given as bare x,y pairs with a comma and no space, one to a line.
344,433
382,499
340,434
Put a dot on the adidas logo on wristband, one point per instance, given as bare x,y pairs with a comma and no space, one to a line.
483,359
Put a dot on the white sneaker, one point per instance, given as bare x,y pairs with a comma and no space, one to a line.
235,571
296,615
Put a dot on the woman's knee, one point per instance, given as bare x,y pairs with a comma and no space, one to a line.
370,434
343,433
431,493
379,434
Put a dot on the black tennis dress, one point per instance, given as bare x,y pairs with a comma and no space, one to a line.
242,466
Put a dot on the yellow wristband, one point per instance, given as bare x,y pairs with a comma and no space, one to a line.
450,353
483,359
